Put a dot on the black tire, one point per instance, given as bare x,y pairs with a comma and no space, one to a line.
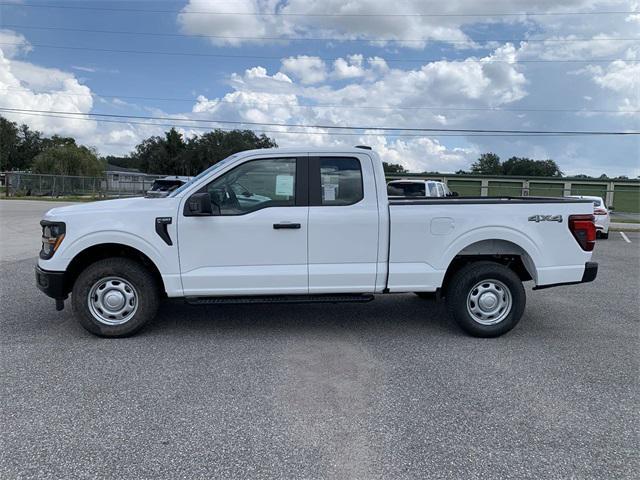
604,236
146,296
459,292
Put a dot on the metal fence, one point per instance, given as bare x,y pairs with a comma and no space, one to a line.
623,196
42,185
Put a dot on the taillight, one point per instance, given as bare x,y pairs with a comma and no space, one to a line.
600,211
583,228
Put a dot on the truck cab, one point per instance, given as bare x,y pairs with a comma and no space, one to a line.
294,225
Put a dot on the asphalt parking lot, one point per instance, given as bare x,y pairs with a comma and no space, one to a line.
389,389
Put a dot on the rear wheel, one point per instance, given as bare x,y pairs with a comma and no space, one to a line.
115,297
604,236
486,299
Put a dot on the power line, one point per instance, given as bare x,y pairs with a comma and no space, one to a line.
332,127
325,105
286,132
323,39
274,57
306,14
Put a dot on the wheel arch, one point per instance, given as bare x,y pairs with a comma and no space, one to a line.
107,250
504,252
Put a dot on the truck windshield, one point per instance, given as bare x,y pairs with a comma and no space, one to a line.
202,174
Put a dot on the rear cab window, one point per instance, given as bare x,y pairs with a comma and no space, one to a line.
340,181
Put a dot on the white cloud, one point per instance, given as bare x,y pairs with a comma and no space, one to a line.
364,90
258,96
307,69
623,78
350,68
421,154
26,86
193,22
377,19
619,76
80,68
21,82
13,43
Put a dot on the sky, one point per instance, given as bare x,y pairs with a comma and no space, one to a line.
462,64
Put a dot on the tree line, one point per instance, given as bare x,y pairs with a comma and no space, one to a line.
172,154
23,149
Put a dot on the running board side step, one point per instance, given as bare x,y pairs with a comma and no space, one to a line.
337,298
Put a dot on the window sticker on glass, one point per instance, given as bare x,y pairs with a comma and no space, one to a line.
329,192
284,185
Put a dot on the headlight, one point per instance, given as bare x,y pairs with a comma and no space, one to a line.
52,236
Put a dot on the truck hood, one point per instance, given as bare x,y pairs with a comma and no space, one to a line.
121,206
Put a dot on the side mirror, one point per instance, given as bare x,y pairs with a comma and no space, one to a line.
199,205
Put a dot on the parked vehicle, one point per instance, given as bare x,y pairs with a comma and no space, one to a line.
320,228
418,188
601,212
164,186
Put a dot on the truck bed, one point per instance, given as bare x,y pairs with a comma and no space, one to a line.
427,234
480,200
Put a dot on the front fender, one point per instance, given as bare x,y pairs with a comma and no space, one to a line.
68,252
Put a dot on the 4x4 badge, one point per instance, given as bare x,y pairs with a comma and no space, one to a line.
545,218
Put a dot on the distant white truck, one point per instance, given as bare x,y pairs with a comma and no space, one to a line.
418,188
319,227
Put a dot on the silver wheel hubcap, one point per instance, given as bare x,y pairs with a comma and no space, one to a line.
113,301
489,302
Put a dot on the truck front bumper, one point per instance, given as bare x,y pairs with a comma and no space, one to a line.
52,284
589,275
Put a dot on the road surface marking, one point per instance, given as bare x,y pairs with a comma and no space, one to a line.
626,239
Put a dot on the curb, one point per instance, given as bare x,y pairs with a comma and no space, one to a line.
624,227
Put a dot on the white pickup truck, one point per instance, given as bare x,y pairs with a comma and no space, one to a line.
303,225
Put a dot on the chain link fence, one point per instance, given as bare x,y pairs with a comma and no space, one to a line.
622,196
42,185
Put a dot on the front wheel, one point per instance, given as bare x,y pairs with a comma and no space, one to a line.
486,299
115,297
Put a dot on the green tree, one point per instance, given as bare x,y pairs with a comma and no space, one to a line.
171,155
9,143
531,168
68,159
211,147
126,162
393,168
487,164
31,144
18,145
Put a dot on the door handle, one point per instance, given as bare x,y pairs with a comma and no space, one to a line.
279,226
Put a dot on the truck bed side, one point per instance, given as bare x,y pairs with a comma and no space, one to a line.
427,235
